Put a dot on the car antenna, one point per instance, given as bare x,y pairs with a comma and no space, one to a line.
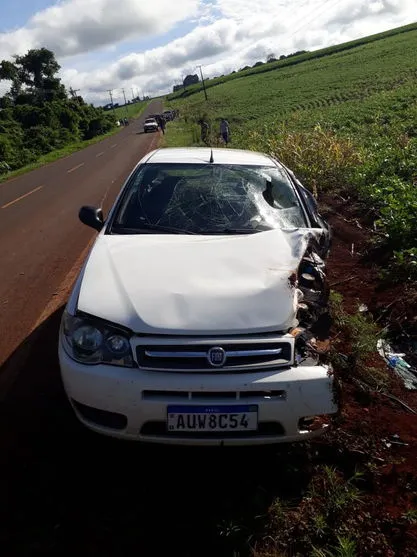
211,156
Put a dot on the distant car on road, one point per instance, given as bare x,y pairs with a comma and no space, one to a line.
199,316
150,125
168,115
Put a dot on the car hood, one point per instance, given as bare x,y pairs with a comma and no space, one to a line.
190,284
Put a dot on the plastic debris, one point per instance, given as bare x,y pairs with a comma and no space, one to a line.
363,308
394,440
396,361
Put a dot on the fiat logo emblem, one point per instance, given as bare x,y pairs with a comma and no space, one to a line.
216,356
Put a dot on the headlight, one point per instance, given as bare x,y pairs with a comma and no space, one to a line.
92,341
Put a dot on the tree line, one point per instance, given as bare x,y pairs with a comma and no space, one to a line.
38,114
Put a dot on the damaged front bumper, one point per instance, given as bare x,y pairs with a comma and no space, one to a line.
292,404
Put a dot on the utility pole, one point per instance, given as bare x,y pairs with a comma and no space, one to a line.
110,92
124,96
204,85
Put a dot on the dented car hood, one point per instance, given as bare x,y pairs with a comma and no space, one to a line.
191,284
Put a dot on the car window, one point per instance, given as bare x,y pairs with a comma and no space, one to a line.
209,199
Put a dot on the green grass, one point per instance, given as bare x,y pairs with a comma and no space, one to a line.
177,134
133,110
68,149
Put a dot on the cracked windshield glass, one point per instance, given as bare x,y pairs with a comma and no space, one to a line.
208,199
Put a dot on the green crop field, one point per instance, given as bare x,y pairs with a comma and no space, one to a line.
351,76
345,121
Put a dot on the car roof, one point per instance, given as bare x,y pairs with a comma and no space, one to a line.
199,155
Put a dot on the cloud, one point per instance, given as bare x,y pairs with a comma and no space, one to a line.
79,26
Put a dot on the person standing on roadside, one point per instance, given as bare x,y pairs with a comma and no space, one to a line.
162,124
225,131
205,131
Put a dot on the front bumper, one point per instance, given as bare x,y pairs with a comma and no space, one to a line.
133,403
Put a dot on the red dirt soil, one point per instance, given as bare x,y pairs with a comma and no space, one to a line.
369,422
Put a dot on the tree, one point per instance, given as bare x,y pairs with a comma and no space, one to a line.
36,115
33,74
271,58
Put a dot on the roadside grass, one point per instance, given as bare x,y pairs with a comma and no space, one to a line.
177,134
324,523
353,352
66,151
411,515
134,110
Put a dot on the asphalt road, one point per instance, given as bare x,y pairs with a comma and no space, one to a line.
41,238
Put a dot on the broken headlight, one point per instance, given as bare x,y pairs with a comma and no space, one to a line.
92,341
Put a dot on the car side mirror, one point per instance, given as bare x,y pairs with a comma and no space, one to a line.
91,216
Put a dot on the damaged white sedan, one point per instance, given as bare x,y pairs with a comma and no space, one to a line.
199,316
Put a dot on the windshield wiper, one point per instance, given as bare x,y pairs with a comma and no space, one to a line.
146,226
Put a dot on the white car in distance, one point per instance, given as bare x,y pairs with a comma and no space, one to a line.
150,125
199,316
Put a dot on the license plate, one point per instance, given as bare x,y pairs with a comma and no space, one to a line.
213,418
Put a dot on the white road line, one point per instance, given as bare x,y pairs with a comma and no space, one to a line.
75,167
99,154
21,197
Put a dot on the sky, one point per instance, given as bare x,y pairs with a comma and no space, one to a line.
147,46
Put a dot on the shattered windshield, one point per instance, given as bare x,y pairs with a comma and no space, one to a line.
208,199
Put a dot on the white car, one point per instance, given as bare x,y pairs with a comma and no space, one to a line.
150,125
199,315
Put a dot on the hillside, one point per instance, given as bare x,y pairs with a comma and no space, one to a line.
353,74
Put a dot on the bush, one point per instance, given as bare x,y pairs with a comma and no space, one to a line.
320,158
41,140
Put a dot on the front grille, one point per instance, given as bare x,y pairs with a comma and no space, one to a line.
159,429
187,396
193,355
